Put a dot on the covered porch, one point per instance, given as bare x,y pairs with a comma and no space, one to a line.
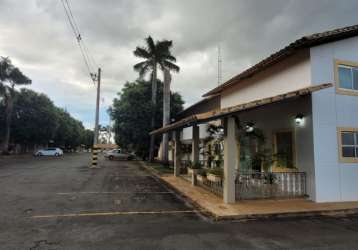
257,150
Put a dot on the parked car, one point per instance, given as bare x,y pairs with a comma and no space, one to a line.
118,154
49,152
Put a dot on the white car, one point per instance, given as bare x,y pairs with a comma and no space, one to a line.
49,152
118,154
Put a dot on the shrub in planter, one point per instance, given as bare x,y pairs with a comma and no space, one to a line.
215,174
201,175
194,168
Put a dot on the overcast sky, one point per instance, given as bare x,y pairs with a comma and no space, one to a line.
36,35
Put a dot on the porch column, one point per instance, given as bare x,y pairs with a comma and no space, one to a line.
230,159
195,145
177,153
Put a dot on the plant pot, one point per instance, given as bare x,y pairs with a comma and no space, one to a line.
201,178
193,171
214,178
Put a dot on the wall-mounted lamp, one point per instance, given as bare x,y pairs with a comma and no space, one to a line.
221,130
299,119
249,127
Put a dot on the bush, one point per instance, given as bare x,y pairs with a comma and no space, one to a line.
194,166
216,171
202,172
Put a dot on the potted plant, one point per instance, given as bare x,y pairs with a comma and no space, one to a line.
194,168
201,176
215,174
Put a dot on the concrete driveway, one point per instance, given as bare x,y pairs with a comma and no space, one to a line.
59,203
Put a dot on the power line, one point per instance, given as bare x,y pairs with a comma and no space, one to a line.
87,58
86,50
73,18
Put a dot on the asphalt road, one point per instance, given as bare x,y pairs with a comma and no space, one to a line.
59,203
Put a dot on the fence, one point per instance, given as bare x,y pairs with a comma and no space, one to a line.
262,185
215,187
184,164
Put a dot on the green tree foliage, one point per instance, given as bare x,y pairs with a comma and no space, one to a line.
70,132
10,76
36,120
132,112
154,55
87,138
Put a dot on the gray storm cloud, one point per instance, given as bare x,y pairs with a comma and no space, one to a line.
37,37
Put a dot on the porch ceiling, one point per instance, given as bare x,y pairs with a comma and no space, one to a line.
213,115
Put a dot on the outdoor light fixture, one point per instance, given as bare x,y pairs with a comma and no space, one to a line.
249,127
221,130
299,119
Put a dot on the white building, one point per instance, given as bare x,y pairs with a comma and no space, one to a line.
304,99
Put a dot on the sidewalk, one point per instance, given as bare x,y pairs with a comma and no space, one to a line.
255,209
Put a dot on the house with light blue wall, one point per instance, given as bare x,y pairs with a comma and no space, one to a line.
304,101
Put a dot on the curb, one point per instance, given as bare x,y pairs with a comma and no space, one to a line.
201,210
292,215
250,217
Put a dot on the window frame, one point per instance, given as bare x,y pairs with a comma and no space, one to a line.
342,159
340,90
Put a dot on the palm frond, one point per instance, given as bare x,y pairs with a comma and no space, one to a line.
171,66
2,89
169,57
5,68
18,78
150,44
164,46
142,68
137,67
141,52
144,71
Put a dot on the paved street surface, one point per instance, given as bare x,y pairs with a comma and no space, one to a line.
58,203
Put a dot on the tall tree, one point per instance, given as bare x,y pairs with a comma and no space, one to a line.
10,76
155,54
37,121
35,118
166,115
131,113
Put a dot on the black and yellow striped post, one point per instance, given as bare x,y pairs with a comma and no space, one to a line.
95,151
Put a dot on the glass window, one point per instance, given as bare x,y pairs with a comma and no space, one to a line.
347,138
348,152
355,79
349,144
345,77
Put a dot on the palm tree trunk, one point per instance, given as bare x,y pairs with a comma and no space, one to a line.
154,104
8,115
166,115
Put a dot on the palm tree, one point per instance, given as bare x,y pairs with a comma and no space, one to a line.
10,76
155,54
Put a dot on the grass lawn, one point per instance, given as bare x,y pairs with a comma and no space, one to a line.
162,169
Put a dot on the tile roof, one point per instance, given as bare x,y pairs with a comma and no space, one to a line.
304,42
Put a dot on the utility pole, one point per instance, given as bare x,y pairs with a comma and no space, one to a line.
219,65
96,125
96,130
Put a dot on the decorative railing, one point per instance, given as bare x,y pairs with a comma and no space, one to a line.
184,164
202,163
215,187
264,185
